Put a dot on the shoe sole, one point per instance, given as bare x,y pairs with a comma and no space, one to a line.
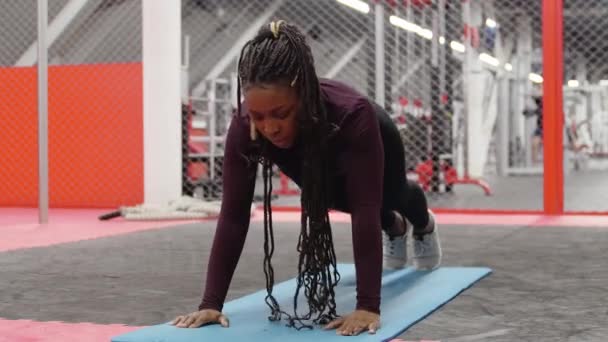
393,264
427,263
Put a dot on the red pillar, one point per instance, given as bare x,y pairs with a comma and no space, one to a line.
553,116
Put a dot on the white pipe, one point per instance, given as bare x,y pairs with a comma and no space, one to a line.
348,56
379,12
468,59
43,139
234,51
59,24
212,127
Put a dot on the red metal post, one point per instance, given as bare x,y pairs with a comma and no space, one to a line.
553,116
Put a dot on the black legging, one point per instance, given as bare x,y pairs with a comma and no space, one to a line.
399,193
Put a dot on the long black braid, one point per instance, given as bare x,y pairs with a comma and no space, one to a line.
279,54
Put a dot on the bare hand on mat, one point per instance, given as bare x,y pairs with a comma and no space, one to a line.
355,323
199,318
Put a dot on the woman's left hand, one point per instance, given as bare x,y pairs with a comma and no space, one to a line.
355,323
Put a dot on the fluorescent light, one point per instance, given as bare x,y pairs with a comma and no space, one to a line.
604,82
484,57
508,67
491,23
425,33
404,24
457,46
573,83
441,40
358,5
536,78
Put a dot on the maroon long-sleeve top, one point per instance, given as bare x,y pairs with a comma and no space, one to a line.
358,164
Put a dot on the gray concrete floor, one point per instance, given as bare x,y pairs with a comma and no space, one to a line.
549,284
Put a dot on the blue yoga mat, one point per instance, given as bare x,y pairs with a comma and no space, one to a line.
408,296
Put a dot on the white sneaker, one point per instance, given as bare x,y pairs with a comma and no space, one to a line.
427,251
394,250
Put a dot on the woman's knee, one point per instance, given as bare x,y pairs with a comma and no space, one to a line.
415,190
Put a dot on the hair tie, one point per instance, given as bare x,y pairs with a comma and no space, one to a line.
274,28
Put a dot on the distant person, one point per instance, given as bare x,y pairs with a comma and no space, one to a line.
537,135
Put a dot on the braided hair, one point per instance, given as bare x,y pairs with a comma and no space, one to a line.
279,54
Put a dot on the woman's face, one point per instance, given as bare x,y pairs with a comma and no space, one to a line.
273,109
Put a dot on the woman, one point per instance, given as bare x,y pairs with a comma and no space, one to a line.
345,153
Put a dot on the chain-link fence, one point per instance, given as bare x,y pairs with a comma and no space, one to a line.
94,102
95,106
462,80
205,124
18,105
458,77
585,105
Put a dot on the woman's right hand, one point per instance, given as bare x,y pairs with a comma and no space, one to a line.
199,318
